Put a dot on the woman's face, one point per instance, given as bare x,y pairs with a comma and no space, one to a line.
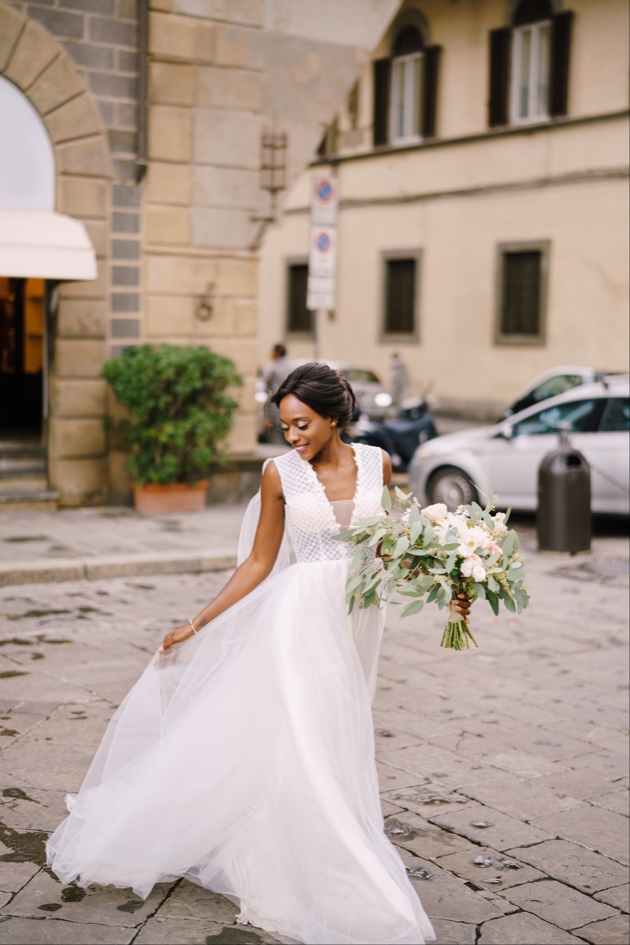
306,431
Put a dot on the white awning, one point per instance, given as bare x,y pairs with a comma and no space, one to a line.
44,245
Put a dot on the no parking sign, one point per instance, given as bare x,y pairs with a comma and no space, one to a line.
324,201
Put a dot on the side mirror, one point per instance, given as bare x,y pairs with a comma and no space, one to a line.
506,432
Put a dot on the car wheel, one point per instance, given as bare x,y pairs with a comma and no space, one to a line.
452,487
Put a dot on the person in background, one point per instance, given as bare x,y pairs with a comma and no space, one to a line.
275,374
398,379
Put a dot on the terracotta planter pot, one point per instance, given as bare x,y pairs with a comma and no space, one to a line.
156,499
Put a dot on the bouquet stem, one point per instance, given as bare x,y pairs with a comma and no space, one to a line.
456,632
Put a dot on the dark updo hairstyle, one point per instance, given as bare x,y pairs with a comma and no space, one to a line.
322,389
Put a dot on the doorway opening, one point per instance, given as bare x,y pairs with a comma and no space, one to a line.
21,358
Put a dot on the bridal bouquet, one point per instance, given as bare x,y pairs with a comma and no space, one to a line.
434,555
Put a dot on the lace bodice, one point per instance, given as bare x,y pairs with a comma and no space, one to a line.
310,516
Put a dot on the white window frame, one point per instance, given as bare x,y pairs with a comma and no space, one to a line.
410,98
536,110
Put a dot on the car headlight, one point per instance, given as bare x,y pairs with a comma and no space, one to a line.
383,399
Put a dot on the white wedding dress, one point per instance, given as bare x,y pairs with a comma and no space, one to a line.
243,759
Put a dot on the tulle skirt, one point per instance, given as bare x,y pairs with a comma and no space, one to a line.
243,760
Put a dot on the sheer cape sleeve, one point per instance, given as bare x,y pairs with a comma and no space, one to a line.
249,527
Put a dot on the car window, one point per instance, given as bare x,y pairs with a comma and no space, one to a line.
583,415
617,416
359,376
556,385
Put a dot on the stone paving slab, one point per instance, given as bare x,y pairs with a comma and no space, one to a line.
581,784
491,873
15,931
159,931
618,896
558,904
521,799
524,929
417,835
454,933
589,872
613,931
596,828
486,825
106,905
445,896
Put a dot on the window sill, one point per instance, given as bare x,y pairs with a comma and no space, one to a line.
536,341
528,122
399,338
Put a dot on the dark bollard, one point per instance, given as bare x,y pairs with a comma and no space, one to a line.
563,520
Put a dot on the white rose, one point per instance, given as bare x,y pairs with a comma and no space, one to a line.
435,513
479,573
471,539
467,567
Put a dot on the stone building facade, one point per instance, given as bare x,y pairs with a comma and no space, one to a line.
171,228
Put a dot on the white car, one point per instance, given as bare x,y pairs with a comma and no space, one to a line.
554,382
503,460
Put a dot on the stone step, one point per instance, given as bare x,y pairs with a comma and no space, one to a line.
10,448
22,465
44,500
29,482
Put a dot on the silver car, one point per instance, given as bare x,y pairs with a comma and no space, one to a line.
503,460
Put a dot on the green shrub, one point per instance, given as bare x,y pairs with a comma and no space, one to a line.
179,411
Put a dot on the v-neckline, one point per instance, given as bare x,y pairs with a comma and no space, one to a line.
329,504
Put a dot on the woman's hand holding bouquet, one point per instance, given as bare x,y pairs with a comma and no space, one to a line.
432,554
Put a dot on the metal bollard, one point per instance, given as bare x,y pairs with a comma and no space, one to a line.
563,519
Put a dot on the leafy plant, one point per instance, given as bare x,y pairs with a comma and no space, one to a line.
179,410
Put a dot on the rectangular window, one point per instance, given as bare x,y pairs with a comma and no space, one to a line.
522,293
299,318
401,276
406,113
530,73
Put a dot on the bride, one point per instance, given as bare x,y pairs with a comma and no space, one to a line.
243,759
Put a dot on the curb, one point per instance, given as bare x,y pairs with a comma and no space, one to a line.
43,570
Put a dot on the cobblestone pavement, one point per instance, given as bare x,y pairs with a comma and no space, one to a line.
504,770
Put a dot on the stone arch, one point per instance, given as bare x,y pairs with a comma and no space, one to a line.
38,66
410,16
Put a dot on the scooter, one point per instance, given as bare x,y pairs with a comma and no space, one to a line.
400,436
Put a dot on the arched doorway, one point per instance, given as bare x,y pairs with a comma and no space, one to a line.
53,156
27,181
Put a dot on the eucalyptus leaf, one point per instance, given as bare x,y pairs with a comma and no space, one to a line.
493,600
413,608
386,499
401,546
480,589
415,530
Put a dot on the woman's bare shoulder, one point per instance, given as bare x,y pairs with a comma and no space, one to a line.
271,481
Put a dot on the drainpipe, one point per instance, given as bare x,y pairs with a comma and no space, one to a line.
143,87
